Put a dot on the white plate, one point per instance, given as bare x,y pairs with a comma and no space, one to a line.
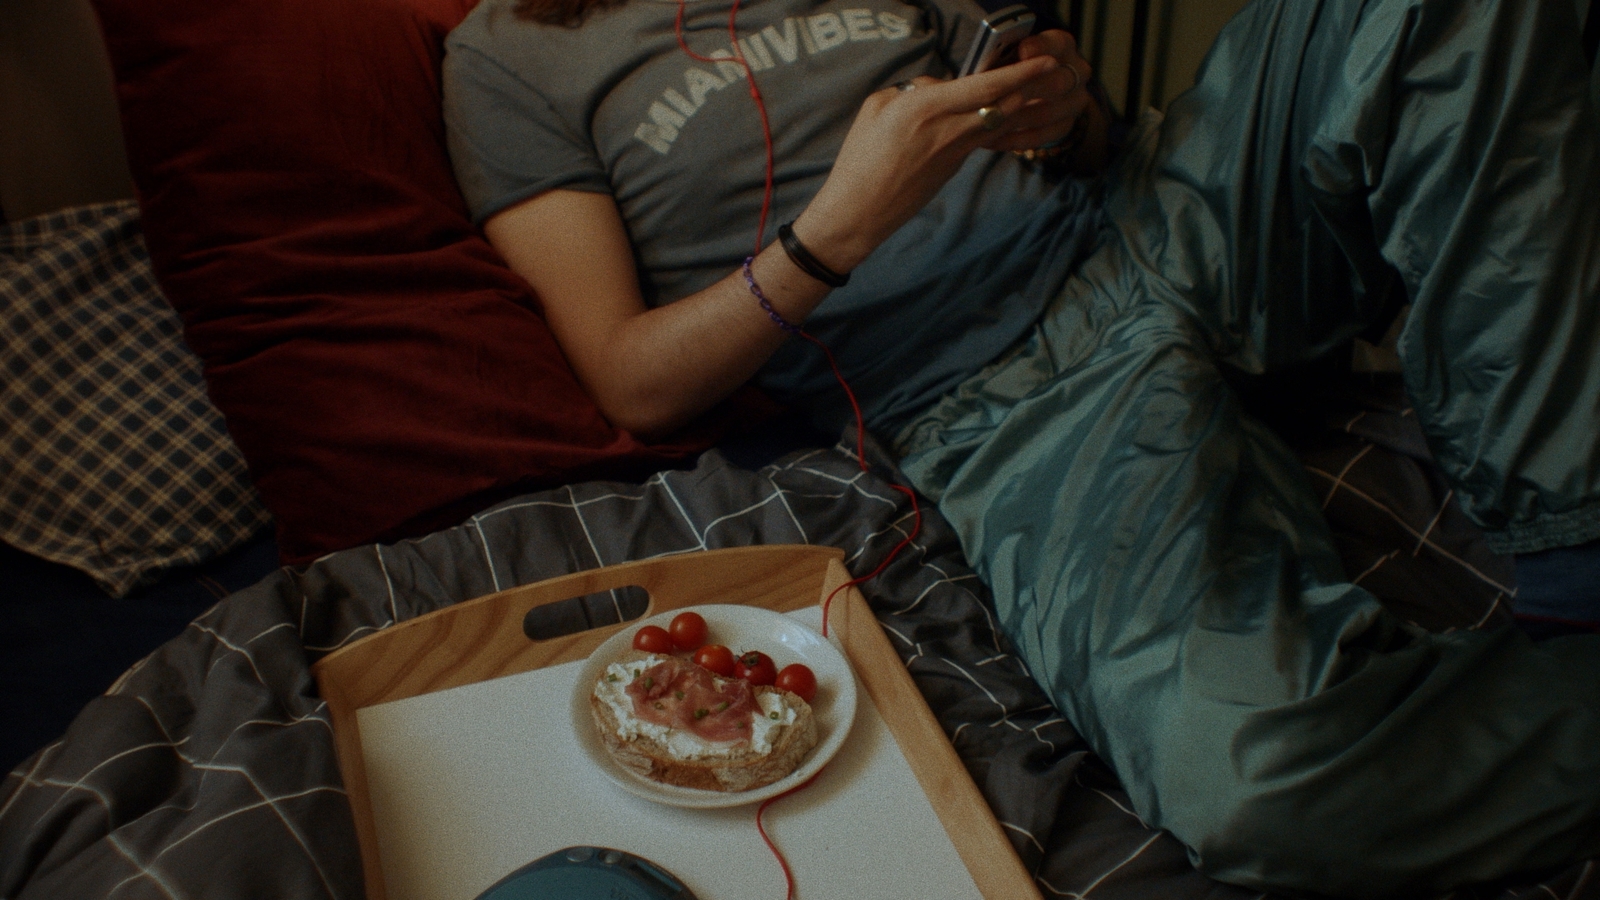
740,628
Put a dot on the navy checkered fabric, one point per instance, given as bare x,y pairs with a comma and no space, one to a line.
112,458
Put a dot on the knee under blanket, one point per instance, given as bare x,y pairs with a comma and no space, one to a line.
1160,559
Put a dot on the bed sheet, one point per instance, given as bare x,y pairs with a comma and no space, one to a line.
208,768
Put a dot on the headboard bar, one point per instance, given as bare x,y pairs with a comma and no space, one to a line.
1136,51
1591,31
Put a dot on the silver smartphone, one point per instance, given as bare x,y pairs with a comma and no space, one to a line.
996,43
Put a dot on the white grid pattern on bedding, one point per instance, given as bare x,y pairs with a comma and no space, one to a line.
245,752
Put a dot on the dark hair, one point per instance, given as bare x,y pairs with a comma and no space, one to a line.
570,13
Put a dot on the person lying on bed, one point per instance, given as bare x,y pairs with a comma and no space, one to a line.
1045,351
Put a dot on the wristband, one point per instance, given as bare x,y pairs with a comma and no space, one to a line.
808,263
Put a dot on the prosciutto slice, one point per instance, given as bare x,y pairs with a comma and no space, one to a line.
678,694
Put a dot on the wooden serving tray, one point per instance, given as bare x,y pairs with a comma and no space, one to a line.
482,639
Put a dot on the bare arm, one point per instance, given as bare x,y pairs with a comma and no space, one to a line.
652,371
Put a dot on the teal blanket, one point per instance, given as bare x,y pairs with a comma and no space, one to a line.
1161,560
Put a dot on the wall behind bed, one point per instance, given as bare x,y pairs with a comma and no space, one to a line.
1177,34
60,141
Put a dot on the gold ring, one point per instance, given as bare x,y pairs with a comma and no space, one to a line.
992,117
1077,80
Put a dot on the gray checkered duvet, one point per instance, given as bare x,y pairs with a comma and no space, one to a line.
208,770
112,458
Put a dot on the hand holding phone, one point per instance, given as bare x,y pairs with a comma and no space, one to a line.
996,43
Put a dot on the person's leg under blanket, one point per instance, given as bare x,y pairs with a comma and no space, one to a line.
1160,561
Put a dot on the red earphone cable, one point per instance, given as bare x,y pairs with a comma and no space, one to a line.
755,94
855,407
788,876
861,459
761,230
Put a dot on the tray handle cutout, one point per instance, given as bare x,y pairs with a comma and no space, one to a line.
574,615
483,638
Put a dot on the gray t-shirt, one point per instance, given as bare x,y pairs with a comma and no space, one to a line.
616,106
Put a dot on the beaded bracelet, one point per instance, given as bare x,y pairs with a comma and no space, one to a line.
755,290
1069,145
808,263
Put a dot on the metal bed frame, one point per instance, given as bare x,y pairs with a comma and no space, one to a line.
1591,30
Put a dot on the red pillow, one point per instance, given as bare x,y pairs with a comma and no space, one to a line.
381,369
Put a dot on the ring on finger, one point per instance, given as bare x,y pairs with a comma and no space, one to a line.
992,117
1077,80
903,86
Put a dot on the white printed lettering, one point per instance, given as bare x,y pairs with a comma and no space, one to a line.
755,51
651,135
730,69
785,44
807,41
895,28
662,129
679,102
827,31
701,83
815,34
858,22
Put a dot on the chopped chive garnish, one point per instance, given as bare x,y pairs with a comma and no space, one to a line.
701,713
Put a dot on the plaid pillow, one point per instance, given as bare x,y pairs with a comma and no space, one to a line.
112,459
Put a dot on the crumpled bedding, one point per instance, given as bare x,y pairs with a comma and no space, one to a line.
1161,559
208,769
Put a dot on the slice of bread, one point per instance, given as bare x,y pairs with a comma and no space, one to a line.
742,769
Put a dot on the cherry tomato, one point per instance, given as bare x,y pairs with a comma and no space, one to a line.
717,658
688,630
653,639
755,667
797,679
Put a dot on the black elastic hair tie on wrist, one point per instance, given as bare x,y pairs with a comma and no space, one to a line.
808,263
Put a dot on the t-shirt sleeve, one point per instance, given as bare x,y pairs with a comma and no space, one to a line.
506,141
